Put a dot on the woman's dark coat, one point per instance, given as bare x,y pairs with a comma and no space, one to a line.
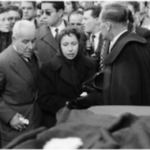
59,83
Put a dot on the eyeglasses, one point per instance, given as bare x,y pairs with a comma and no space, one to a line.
48,13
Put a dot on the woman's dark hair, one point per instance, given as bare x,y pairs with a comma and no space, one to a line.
56,4
2,9
68,31
14,8
74,5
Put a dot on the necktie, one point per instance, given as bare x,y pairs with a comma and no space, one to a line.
103,53
93,44
56,35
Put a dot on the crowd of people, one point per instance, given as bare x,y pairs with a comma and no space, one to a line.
70,54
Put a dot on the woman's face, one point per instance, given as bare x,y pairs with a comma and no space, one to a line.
69,46
68,6
4,22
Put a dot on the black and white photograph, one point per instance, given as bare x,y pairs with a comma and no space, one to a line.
74,74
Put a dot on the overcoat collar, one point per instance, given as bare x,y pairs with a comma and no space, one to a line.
119,45
65,72
21,68
46,35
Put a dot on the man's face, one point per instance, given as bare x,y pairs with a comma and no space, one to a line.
13,17
76,20
49,15
28,10
88,22
25,42
4,23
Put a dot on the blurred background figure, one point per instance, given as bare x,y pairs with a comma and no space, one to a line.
5,34
70,6
15,3
29,11
38,14
134,7
14,14
5,3
75,19
91,27
144,14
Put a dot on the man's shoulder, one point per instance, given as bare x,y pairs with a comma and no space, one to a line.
131,37
144,32
42,30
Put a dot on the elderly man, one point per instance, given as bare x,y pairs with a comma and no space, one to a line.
19,68
125,79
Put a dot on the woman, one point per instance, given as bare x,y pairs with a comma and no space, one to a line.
5,34
69,7
62,77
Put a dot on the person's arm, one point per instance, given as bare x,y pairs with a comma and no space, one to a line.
7,114
48,97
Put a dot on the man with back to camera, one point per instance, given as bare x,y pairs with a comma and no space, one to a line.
19,67
125,79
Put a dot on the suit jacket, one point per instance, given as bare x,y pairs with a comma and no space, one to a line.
127,74
57,85
18,93
46,45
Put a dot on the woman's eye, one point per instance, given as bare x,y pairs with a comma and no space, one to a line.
74,43
65,44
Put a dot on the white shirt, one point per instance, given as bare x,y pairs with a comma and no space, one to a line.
115,39
60,27
96,40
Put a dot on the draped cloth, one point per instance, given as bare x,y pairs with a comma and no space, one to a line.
97,131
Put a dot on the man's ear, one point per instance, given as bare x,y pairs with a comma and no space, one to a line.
108,26
13,39
60,12
97,21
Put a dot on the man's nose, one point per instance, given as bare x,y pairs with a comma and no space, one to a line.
31,45
70,48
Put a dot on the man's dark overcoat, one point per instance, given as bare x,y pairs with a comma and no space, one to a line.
18,93
60,83
127,72
46,45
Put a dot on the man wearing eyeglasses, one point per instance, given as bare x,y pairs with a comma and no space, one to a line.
51,17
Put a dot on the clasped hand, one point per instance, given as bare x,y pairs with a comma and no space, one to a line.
16,123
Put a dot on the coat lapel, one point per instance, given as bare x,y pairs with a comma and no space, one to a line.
47,36
21,69
119,45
